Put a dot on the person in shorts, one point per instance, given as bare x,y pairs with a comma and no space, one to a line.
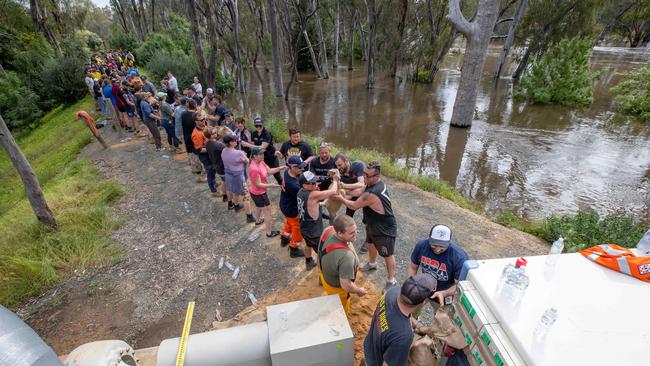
258,172
311,212
381,227
234,162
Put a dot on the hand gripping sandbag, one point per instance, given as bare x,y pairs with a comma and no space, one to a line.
619,259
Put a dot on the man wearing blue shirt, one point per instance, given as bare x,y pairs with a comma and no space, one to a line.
440,257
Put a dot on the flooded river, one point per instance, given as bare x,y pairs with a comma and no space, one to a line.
534,160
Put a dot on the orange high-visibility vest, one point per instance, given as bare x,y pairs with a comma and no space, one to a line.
619,259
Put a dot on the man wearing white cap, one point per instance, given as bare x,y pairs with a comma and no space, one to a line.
440,257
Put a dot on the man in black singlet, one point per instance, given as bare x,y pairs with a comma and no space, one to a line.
381,227
311,213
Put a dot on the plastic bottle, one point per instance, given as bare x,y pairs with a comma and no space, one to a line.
548,319
514,280
252,297
235,274
644,244
254,236
556,250
230,266
221,263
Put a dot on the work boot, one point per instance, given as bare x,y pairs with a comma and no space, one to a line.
364,248
284,241
296,252
310,263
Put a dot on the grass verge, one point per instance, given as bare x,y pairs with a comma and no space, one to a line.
33,257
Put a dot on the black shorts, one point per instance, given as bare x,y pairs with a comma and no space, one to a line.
122,109
261,200
385,244
312,242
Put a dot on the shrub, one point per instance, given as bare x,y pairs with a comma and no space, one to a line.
182,66
224,82
92,40
18,103
581,230
119,40
26,54
75,46
155,44
63,79
561,76
633,93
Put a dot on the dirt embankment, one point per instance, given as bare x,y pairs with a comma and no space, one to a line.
175,234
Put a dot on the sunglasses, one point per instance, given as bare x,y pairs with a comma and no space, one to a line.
369,176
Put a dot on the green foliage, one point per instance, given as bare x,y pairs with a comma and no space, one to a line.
633,93
75,46
33,257
26,54
224,82
561,76
155,43
422,76
173,40
183,67
18,103
580,231
179,33
119,40
63,79
92,40
15,16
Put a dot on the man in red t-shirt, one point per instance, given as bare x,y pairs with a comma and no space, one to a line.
257,173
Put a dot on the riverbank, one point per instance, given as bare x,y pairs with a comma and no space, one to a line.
33,257
174,235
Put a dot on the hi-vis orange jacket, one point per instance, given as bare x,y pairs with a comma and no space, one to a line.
619,259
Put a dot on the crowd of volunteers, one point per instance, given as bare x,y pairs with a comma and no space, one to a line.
237,162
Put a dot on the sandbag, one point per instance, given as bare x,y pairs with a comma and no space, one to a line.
443,328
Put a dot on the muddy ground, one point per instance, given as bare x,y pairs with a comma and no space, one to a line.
174,234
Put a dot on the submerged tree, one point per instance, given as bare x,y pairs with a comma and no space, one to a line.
477,33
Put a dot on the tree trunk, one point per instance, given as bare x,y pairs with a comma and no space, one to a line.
234,14
477,33
400,30
39,22
153,15
211,71
435,66
117,6
143,18
362,40
277,69
314,60
30,181
337,34
321,40
372,35
519,14
351,42
198,43
522,65
138,20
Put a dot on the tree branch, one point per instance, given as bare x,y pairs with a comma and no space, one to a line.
504,20
457,19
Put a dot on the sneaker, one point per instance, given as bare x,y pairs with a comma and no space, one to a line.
284,241
390,284
231,205
224,198
273,234
249,218
364,248
238,207
260,222
310,263
369,267
296,252
159,149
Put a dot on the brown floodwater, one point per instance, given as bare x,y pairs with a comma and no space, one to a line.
534,160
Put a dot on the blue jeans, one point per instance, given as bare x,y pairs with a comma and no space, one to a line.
211,173
102,105
171,133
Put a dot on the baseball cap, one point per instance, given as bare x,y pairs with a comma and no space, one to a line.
209,91
418,288
307,177
257,121
440,236
296,160
228,113
143,77
228,138
257,151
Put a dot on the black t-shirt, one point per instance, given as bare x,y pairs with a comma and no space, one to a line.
356,171
265,136
97,91
320,169
390,335
301,149
214,149
187,121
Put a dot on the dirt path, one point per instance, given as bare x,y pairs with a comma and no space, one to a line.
171,255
